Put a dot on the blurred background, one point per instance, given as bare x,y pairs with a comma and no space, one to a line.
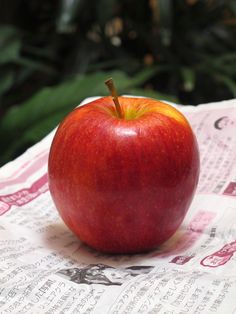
53,54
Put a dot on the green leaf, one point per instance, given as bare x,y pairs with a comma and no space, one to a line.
34,65
153,94
166,14
188,76
6,81
227,81
10,44
142,76
67,13
43,127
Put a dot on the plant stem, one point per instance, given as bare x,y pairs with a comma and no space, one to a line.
110,84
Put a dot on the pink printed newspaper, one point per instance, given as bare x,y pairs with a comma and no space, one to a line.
44,268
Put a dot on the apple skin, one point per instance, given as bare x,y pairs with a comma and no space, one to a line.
123,185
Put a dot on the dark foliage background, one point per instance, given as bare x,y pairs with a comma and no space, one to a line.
54,53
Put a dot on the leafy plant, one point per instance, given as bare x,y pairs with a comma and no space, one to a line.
54,54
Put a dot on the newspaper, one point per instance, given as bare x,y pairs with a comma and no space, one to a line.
44,268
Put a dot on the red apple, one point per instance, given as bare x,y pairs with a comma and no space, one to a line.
123,184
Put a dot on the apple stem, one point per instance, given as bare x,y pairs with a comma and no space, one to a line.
111,86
